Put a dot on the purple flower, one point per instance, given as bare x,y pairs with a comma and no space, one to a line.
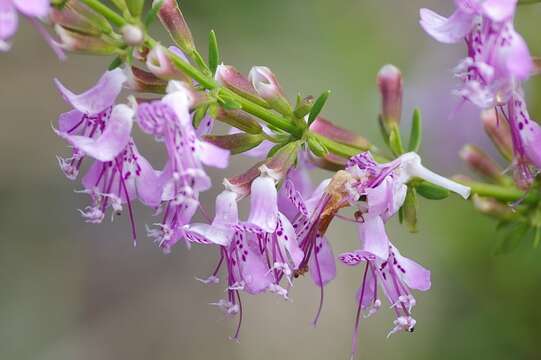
184,177
497,56
99,129
9,21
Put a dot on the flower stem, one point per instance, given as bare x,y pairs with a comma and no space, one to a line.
109,14
501,193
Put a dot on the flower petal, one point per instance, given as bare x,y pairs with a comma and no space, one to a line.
254,270
287,240
8,20
446,30
415,276
212,155
322,264
112,141
372,233
208,234
513,58
68,122
34,8
98,98
499,10
148,182
227,212
264,204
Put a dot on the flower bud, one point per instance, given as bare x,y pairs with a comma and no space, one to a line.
242,184
303,107
159,63
491,207
78,42
280,163
266,85
240,120
143,81
173,20
480,162
499,133
132,35
231,78
236,143
80,18
326,128
390,88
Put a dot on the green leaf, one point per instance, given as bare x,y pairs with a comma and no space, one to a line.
431,191
152,13
513,238
214,52
416,133
199,114
537,237
318,106
410,210
135,7
317,147
275,149
401,215
383,130
230,104
395,140
115,63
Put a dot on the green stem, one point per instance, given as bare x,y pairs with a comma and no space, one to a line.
109,14
501,193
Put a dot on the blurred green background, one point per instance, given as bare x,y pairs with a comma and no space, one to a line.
70,290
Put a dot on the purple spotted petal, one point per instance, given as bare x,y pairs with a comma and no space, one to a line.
98,98
322,264
415,276
354,258
530,135
264,204
446,30
33,8
8,20
254,270
372,233
208,234
148,182
114,139
513,58
287,240
68,122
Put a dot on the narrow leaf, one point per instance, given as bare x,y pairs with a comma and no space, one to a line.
153,12
410,210
214,52
317,147
199,114
318,106
236,143
416,133
395,141
431,191
115,63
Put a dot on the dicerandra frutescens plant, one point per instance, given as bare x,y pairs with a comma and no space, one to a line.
176,96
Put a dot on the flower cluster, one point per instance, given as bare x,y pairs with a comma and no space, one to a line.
497,63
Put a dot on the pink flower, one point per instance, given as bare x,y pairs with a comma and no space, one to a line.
184,177
99,129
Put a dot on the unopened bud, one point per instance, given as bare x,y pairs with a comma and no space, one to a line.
390,88
132,35
173,20
159,63
242,184
81,43
303,107
231,78
280,163
326,128
240,120
144,81
499,133
236,143
77,16
480,162
491,207
267,86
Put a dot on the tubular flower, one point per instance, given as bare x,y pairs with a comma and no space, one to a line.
497,61
101,130
32,9
184,177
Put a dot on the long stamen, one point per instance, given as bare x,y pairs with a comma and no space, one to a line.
355,339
